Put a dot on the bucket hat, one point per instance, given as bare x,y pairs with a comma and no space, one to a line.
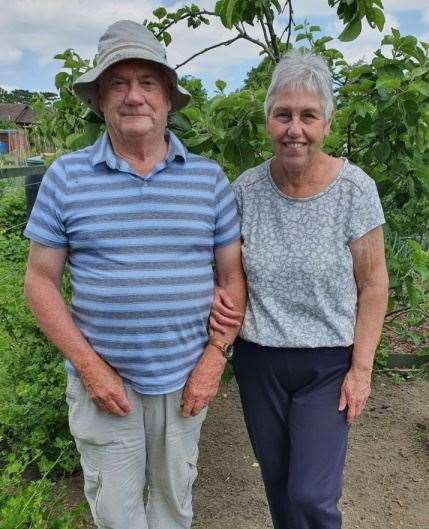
124,40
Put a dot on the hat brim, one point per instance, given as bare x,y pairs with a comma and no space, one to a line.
86,87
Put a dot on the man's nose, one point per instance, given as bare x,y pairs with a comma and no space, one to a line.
135,95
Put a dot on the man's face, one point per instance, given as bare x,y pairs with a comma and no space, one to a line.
134,99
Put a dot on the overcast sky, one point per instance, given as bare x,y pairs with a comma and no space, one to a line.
33,31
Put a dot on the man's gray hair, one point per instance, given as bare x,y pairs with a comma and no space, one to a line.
302,70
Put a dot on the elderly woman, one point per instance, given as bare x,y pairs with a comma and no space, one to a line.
312,249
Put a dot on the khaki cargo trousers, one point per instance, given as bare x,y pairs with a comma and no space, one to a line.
154,445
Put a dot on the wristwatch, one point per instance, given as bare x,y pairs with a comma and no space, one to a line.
224,347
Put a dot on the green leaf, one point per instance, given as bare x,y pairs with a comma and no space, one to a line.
382,151
220,85
411,112
277,5
179,121
301,36
388,83
230,13
166,37
351,31
298,27
161,12
378,18
314,29
420,87
61,79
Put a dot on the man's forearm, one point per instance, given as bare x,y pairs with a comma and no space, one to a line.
372,302
55,321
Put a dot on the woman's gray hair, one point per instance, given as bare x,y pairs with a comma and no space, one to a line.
301,69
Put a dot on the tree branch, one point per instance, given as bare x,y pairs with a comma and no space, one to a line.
264,29
244,35
225,43
273,36
183,17
288,28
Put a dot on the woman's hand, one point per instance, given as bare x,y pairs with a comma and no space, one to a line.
355,391
222,313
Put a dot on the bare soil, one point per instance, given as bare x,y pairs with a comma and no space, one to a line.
387,473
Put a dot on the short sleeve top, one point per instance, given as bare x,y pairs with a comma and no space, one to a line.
296,254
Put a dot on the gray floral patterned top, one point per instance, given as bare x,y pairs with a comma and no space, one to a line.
295,251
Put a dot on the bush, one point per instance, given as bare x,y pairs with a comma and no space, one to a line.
33,412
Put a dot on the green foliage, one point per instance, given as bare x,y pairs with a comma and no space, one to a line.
66,124
33,415
36,504
351,12
24,96
229,129
195,88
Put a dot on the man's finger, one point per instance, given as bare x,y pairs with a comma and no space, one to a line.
187,407
198,406
123,403
109,406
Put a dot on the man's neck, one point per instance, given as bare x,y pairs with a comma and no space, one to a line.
141,153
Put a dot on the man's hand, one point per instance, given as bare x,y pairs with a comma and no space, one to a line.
106,389
203,383
222,313
355,391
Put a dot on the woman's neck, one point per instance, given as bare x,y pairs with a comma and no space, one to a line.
308,180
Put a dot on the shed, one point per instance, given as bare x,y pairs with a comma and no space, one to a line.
14,142
19,113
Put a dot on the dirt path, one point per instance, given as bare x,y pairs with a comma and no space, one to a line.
386,482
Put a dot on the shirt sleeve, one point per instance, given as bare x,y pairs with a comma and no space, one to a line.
227,223
367,212
46,223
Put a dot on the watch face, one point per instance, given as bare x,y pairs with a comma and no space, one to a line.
229,351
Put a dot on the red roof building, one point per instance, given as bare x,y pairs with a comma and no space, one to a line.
19,113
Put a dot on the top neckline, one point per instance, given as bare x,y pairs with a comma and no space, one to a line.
311,197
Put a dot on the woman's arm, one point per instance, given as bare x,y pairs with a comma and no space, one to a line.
370,272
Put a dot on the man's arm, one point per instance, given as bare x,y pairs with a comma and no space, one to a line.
45,269
203,383
372,284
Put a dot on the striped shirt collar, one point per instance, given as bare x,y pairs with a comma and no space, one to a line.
102,152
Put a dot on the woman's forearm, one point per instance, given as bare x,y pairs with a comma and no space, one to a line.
372,303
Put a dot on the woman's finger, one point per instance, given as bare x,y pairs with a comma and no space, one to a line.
223,309
226,300
215,326
222,320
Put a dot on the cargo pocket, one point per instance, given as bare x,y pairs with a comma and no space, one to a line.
92,488
191,476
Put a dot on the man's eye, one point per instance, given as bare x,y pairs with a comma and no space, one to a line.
117,83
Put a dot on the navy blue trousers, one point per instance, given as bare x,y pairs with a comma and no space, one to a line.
290,401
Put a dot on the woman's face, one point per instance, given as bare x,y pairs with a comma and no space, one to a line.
297,127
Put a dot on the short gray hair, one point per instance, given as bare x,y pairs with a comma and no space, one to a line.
302,69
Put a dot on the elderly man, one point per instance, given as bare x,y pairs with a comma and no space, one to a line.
138,219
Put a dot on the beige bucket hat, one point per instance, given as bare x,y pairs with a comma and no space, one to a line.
124,40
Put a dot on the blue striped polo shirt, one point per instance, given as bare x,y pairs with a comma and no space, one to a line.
140,254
